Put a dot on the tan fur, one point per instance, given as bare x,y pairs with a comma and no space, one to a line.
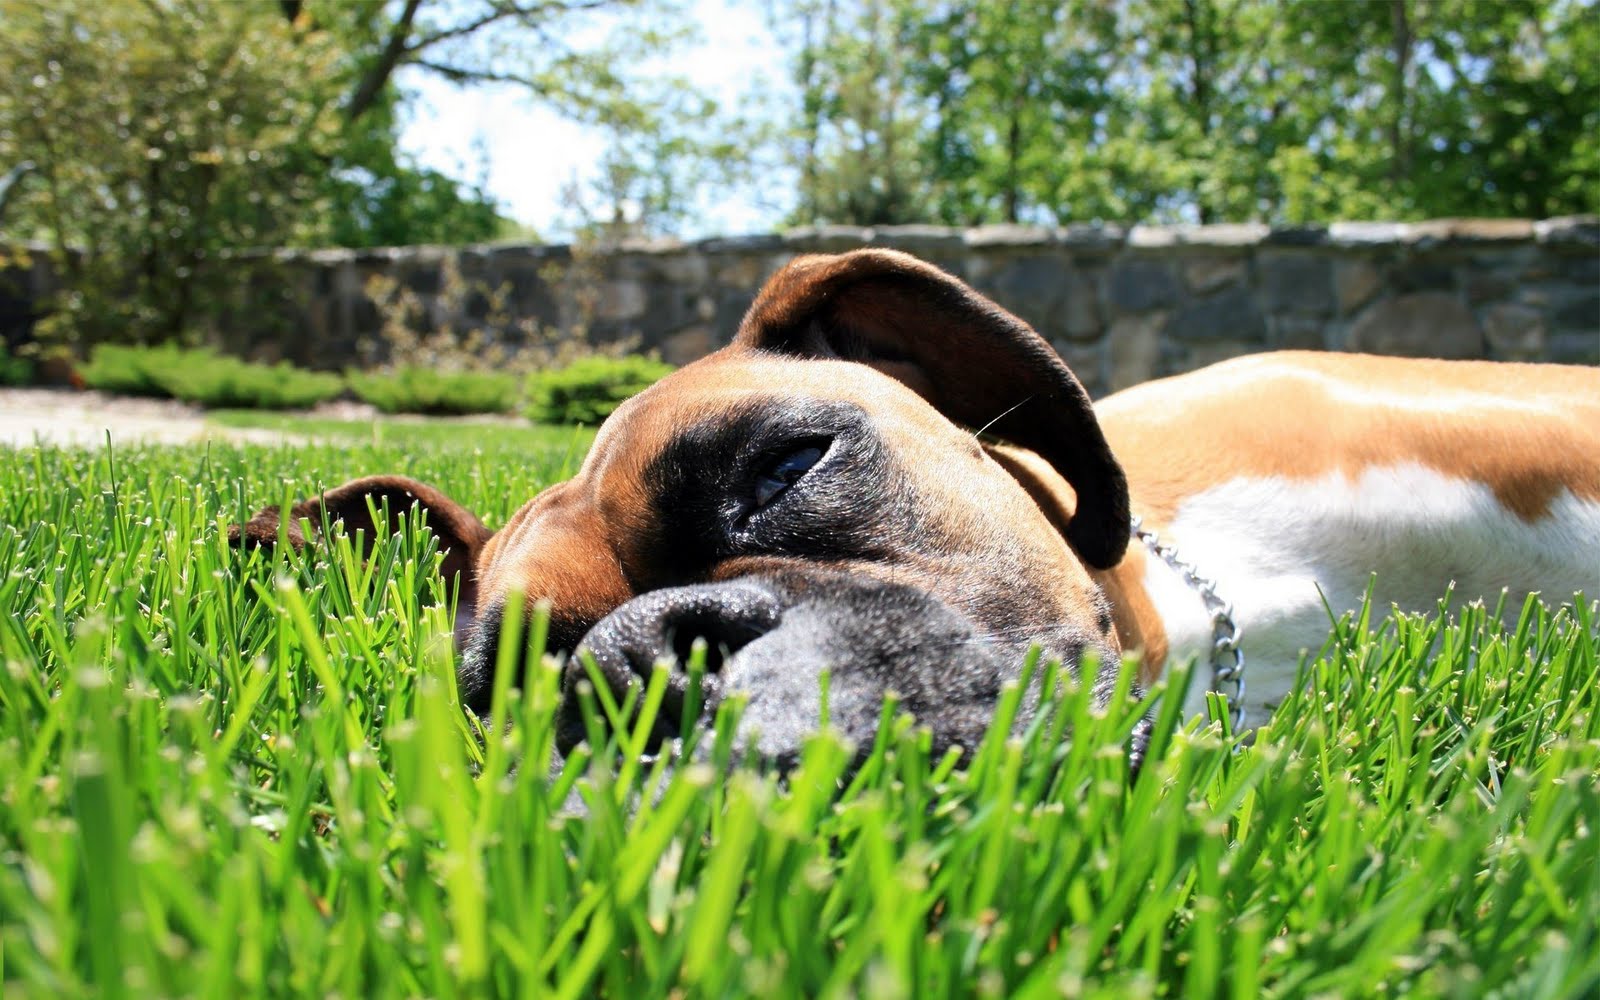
577,544
1302,415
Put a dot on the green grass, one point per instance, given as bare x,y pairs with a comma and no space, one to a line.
232,776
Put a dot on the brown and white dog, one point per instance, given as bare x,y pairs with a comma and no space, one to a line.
813,497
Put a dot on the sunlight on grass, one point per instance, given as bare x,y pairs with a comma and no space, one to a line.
231,775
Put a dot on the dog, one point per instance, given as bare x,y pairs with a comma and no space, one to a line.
889,477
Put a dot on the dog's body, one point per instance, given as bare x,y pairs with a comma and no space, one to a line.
810,498
1293,480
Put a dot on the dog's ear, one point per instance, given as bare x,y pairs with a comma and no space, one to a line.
459,532
976,363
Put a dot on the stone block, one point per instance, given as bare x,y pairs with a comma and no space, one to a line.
1047,292
1582,269
1581,312
920,240
1355,282
1207,274
1297,283
1464,231
620,300
742,244
1515,333
1293,333
1134,349
1573,347
738,271
825,239
1078,313
1087,362
1296,236
689,344
1231,314
1422,274
1008,234
1139,285
1188,357
1091,237
1422,324
1241,234
1365,234
1569,230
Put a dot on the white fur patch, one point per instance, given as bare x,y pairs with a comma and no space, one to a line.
1278,547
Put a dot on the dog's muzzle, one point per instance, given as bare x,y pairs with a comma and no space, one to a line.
771,639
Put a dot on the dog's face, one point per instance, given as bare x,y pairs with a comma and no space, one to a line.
810,499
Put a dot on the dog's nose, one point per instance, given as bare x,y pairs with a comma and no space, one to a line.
662,626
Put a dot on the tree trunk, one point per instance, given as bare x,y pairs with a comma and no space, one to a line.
1201,57
1399,144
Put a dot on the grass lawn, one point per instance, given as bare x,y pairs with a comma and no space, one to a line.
231,776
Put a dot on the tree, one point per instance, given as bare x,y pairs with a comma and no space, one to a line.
1201,110
198,148
859,141
243,126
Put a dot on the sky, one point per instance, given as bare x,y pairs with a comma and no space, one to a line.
526,153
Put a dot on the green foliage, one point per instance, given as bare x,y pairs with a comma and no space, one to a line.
132,371
424,390
206,378
1200,110
200,147
246,775
14,370
214,380
588,389
255,124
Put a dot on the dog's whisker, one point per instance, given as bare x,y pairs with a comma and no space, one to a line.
980,431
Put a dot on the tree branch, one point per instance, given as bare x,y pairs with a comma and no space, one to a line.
499,12
394,50
464,74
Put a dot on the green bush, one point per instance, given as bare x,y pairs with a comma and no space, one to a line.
132,371
214,380
423,390
14,370
587,390
206,378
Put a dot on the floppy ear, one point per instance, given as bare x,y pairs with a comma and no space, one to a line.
461,535
976,363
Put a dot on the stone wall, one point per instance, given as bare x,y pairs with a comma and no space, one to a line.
1121,305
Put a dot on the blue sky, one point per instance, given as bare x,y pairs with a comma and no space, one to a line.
527,153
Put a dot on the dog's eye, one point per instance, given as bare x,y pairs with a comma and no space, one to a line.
785,472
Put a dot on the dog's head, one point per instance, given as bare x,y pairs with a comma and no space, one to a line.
813,497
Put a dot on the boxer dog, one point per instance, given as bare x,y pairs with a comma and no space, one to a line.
889,477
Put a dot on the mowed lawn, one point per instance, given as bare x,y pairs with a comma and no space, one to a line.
226,776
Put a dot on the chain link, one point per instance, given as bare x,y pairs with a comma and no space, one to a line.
1227,659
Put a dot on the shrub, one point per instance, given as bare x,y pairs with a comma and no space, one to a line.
423,390
207,378
132,371
214,380
588,389
14,370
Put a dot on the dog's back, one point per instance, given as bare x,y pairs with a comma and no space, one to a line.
1296,477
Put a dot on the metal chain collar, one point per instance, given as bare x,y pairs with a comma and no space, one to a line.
1227,660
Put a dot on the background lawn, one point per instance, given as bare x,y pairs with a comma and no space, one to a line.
231,776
